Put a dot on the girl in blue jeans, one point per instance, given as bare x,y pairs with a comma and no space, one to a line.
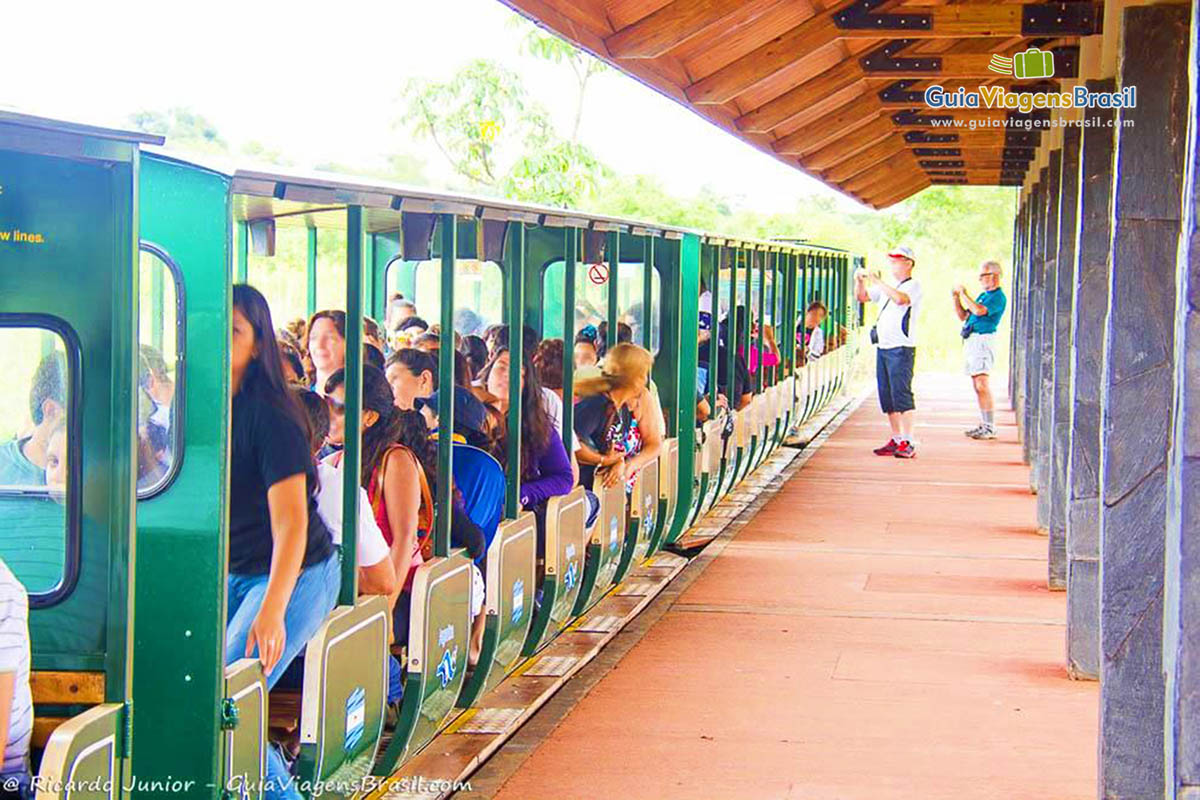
283,569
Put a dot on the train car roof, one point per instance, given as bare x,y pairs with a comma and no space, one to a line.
318,199
51,125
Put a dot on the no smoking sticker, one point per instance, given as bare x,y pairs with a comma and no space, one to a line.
598,273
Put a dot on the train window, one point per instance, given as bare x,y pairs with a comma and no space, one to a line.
591,299
39,454
478,294
160,371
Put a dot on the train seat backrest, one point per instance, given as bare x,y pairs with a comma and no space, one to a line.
480,480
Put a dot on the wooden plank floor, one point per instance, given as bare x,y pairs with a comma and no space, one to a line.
881,629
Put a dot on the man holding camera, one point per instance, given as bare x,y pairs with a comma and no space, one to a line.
981,317
894,335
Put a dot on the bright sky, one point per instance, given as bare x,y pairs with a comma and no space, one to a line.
320,83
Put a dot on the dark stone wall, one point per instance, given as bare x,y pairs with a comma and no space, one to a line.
1136,407
1043,454
1087,353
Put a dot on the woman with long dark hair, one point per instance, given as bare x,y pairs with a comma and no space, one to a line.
284,574
545,467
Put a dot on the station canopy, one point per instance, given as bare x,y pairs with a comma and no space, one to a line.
838,89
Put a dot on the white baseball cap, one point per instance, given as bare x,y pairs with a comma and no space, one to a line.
902,252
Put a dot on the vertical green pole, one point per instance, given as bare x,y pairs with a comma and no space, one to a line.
441,539
684,323
369,286
156,304
744,334
513,304
714,288
786,333
353,440
614,265
311,274
760,378
731,329
243,251
647,291
570,263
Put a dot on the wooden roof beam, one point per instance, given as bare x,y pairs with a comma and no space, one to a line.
864,159
820,132
668,27
902,185
871,181
838,151
974,20
799,97
902,193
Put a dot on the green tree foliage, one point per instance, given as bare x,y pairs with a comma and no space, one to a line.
544,45
184,129
490,132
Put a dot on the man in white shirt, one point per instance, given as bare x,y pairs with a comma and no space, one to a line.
16,704
895,338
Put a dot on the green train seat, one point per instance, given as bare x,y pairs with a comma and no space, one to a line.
345,694
245,718
668,493
84,753
439,632
562,576
604,547
641,520
511,580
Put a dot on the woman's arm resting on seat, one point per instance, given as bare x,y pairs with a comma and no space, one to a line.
402,496
287,501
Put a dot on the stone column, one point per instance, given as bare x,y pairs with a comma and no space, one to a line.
1045,345
1056,577
1016,347
1090,307
1181,651
1138,390
1033,318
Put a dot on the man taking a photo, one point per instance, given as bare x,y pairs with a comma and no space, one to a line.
981,317
894,335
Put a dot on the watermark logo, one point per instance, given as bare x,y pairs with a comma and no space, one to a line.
1028,64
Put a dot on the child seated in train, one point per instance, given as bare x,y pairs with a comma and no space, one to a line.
16,701
23,458
376,574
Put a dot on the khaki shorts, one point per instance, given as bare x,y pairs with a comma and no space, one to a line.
979,353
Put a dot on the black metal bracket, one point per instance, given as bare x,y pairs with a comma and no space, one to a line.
1018,154
948,181
883,59
916,118
937,151
1014,166
947,173
921,137
1012,182
1066,61
941,164
1019,138
1061,19
898,92
1013,174
859,16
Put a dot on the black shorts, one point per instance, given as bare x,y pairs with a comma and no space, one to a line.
894,375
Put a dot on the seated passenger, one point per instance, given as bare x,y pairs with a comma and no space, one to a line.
412,374
373,334
376,575
293,365
428,342
548,363
373,357
618,421
812,338
476,352
545,467
326,346
624,336
587,355
23,458
154,380
284,573
16,701
740,393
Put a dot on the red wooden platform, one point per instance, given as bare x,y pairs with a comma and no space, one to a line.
881,629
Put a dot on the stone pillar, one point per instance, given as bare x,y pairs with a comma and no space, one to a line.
1056,577
1090,307
1181,650
1138,390
1016,349
1033,318
1045,345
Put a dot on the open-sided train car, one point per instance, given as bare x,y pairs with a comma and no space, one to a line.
109,246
